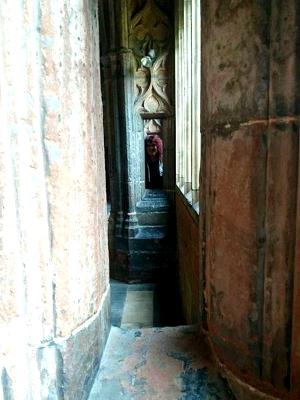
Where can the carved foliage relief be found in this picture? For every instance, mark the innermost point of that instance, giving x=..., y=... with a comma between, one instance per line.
x=150, y=38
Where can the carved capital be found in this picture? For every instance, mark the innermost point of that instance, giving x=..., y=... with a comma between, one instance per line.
x=150, y=38
x=151, y=93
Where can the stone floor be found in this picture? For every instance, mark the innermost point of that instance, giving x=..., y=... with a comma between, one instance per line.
x=157, y=364
x=143, y=305
x=142, y=362
x=132, y=305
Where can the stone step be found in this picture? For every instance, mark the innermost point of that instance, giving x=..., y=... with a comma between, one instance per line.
x=152, y=218
x=151, y=232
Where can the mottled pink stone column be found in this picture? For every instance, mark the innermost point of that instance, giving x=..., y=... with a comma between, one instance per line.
x=53, y=222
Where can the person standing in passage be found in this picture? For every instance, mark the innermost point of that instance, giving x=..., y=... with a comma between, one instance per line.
x=154, y=162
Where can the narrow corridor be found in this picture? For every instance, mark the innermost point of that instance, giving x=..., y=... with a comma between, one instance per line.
x=184, y=117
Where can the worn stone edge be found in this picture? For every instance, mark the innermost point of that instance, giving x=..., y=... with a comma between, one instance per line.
x=87, y=323
x=102, y=312
x=60, y=344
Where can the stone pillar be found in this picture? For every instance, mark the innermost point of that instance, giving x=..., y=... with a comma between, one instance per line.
x=250, y=123
x=130, y=160
x=54, y=314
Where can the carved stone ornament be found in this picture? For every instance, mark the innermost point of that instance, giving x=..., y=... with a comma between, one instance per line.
x=150, y=29
x=150, y=38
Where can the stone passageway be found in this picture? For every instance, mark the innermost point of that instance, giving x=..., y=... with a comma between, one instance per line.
x=149, y=363
x=185, y=116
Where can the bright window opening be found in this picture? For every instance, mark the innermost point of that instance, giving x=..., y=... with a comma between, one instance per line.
x=188, y=80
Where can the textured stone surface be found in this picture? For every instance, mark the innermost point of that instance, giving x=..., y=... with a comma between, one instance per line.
x=284, y=70
x=237, y=184
x=235, y=60
x=74, y=151
x=250, y=176
x=281, y=200
x=53, y=247
x=158, y=363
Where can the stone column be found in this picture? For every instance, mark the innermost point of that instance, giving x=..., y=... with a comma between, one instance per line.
x=130, y=156
x=54, y=314
x=250, y=120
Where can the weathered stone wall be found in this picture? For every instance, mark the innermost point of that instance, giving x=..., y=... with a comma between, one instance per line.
x=53, y=261
x=190, y=273
x=250, y=123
